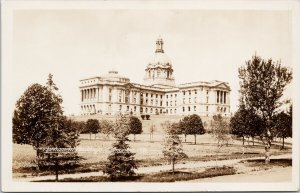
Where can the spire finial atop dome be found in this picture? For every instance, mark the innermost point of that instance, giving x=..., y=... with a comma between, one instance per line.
x=159, y=45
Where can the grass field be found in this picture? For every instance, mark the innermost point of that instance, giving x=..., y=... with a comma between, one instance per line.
x=148, y=153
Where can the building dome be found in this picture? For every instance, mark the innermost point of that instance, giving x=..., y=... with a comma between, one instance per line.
x=159, y=70
x=113, y=75
x=160, y=59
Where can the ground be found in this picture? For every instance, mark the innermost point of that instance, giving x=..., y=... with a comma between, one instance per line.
x=150, y=158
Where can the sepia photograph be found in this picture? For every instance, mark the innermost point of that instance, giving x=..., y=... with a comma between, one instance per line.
x=149, y=96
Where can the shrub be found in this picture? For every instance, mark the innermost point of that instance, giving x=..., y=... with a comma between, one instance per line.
x=143, y=117
x=148, y=117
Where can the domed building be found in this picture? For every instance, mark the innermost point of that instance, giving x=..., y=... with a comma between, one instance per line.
x=113, y=93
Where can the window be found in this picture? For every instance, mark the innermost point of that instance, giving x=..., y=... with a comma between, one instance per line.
x=206, y=108
x=156, y=95
x=189, y=100
x=195, y=99
x=189, y=108
x=127, y=108
x=109, y=99
x=206, y=99
x=167, y=96
x=182, y=109
x=120, y=107
x=151, y=110
x=195, y=91
x=170, y=103
x=171, y=95
x=171, y=111
x=183, y=92
x=189, y=92
x=151, y=101
x=183, y=101
x=146, y=101
x=175, y=103
x=207, y=92
x=146, y=110
x=151, y=95
x=134, y=108
x=161, y=103
x=146, y=94
x=110, y=90
x=195, y=108
x=175, y=111
x=167, y=103
x=161, y=96
x=175, y=95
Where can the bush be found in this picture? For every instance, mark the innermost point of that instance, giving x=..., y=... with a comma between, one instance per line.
x=148, y=117
x=143, y=117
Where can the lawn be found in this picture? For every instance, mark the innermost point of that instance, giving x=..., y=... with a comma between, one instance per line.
x=95, y=152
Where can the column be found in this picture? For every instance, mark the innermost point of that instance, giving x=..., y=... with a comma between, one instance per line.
x=224, y=97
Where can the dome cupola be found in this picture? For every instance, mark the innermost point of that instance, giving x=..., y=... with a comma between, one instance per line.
x=159, y=70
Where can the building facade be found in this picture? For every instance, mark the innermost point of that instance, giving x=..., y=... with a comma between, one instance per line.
x=113, y=93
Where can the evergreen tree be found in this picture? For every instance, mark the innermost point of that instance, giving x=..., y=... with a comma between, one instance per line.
x=121, y=162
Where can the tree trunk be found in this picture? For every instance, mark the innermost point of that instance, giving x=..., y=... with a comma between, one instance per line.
x=185, y=138
x=253, y=141
x=90, y=136
x=173, y=165
x=56, y=171
x=243, y=141
x=195, y=139
x=267, y=153
x=282, y=142
x=37, y=160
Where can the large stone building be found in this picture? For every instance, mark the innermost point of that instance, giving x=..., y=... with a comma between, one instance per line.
x=113, y=93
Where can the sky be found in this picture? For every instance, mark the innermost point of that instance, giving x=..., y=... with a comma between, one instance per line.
x=203, y=45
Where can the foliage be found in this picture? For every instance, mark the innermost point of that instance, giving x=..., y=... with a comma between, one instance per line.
x=38, y=121
x=283, y=126
x=192, y=125
x=92, y=126
x=34, y=115
x=121, y=160
x=172, y=149
x=106, y=127
x=135, y=126
x=245, y=123
x=148, y=117
x=262, y=85
x=143, y=116
x=220, y=130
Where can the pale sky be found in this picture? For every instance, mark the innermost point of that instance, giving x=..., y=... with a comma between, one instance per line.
x=203, y=45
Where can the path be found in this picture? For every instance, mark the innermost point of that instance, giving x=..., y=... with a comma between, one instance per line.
x=154, y=169
x=272, y=175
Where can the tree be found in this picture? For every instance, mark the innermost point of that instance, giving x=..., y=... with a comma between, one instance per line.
x=34, y=115
x=172, y=149
x=220, y=130
x=245, y=123
x=59, y=151
x=38, y=121
x=93, y=126
x=262, y=85
x=192, y=125
x=283, y=126
x=135, y=126
x=151, y=131
x=121, y=160
x=106, y=127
